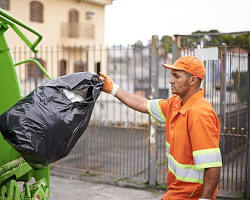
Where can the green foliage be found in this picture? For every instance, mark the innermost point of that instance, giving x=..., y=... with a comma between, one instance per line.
x=189, y=41
x=242, y=88
x=138, y=44
x=216, y=40
x=166, y=43
x=231, y=40
x=211, y=31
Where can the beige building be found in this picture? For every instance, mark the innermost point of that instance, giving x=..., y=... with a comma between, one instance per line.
x=73, y=31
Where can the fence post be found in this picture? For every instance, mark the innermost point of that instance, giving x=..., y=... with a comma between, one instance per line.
x=175, y=48
x=223, y=88
x=154, y=77
x=248, y=149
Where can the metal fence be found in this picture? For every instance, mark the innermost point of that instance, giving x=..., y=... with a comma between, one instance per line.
x=117, y=139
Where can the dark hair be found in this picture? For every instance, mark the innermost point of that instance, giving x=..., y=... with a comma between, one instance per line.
x=188, y=75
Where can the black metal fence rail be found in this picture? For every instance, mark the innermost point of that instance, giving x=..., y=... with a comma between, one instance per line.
x=120, y=151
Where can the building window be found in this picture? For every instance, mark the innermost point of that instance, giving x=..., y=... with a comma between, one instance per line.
x=5, y=4
x=73, y=23
x=32, y=71
x=79, y=66
x=62, y=67
x=36, y=11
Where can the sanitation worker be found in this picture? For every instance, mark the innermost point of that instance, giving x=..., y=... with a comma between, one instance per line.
x=192, y=130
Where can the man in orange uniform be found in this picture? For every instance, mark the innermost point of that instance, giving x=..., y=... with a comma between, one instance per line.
x=192, y=130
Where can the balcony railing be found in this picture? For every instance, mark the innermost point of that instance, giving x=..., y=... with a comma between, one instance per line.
x=98, y=2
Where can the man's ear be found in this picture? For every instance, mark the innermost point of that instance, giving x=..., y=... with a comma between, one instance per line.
x=193, y=80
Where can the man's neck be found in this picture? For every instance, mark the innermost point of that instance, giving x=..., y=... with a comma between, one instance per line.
x=188, y=95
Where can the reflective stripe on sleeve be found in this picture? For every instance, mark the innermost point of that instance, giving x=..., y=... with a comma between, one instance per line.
x=207, y=158
x=155, y=111
x=167, y=148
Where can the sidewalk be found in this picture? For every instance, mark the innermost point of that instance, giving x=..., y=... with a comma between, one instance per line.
x=74, y=185
x=64, y=188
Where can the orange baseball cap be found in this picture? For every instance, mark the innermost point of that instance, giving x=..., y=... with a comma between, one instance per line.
x=190, y=64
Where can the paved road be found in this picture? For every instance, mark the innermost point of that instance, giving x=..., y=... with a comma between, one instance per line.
x=63, y=189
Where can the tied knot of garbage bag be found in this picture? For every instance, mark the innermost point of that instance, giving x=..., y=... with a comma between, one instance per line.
x=45, y=125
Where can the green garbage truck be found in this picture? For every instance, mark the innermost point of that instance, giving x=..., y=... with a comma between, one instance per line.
x=18, y=180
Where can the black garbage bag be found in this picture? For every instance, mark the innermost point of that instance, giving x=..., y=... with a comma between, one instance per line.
x=45, y=125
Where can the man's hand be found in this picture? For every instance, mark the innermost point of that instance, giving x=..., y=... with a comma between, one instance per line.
x=108, y=83
x=133, y=101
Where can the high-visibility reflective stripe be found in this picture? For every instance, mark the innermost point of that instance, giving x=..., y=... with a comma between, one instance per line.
x=150, y=112
x=185, y=179
x=187, y=173
x=184, y=166
x=208, y=165
x=160, y=112
x=206, y=151
x=167, y=147
x=155, y=111
x=207, y=158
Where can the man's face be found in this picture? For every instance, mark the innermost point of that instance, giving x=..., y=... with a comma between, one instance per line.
x=179, y=82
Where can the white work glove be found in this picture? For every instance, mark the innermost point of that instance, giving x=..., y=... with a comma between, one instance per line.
x=109, y=86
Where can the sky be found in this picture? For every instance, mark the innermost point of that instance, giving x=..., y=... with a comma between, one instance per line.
x=127, y=21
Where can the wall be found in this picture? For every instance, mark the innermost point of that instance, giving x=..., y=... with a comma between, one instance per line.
x=55, y=13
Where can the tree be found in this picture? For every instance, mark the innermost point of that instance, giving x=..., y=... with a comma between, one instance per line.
x=231, y=40
x=166, y=43
x=138, y=44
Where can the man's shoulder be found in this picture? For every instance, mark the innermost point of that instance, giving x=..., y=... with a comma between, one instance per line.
x=166, y=104
x=201, y=108
x=202, y=102
x=174, y=98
